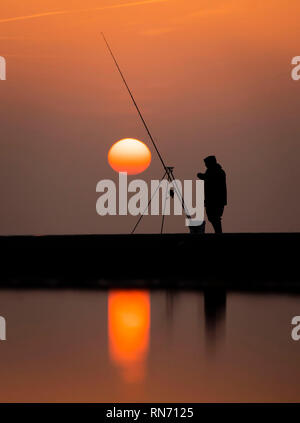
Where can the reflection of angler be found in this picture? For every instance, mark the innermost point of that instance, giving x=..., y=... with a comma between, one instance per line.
x=168, y=170
x=215, y=314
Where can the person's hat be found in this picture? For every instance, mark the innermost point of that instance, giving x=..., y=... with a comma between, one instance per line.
x=210, y=159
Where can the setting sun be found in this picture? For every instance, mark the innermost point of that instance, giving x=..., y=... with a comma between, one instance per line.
x=129, y=155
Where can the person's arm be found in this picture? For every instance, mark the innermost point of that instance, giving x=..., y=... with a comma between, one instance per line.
x=201, y=176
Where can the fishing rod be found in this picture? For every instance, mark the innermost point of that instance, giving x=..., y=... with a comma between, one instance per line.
x=168, y=169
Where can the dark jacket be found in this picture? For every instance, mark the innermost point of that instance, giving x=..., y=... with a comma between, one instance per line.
x=215, y=190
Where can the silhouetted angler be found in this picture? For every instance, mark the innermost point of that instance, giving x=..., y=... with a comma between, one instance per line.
x=215, y=192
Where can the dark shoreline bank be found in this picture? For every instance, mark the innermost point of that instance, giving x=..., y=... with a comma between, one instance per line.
x=231, y=261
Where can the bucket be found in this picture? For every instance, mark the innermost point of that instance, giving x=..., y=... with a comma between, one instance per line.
x=197, y=228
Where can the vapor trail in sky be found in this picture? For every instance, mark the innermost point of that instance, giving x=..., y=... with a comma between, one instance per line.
x=65, y=12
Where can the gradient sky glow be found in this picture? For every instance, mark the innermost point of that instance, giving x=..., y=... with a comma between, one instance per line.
x=212, y=77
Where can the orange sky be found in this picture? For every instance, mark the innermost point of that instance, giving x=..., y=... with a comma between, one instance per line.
x=212, y=77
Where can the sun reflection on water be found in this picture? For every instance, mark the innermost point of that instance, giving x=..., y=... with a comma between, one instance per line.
x=128, y=331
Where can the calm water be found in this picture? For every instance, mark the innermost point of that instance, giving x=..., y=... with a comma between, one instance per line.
x=148, y=346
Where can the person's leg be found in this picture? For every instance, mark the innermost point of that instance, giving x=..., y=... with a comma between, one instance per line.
x=217, y=225
x=214, y=215
x=218, y=220
x=210, y=216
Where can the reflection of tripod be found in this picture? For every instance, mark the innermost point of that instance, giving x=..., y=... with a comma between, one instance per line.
x=170, y=178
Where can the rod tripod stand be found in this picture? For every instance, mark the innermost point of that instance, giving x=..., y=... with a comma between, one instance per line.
x=170, y=178
x=168, y=169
